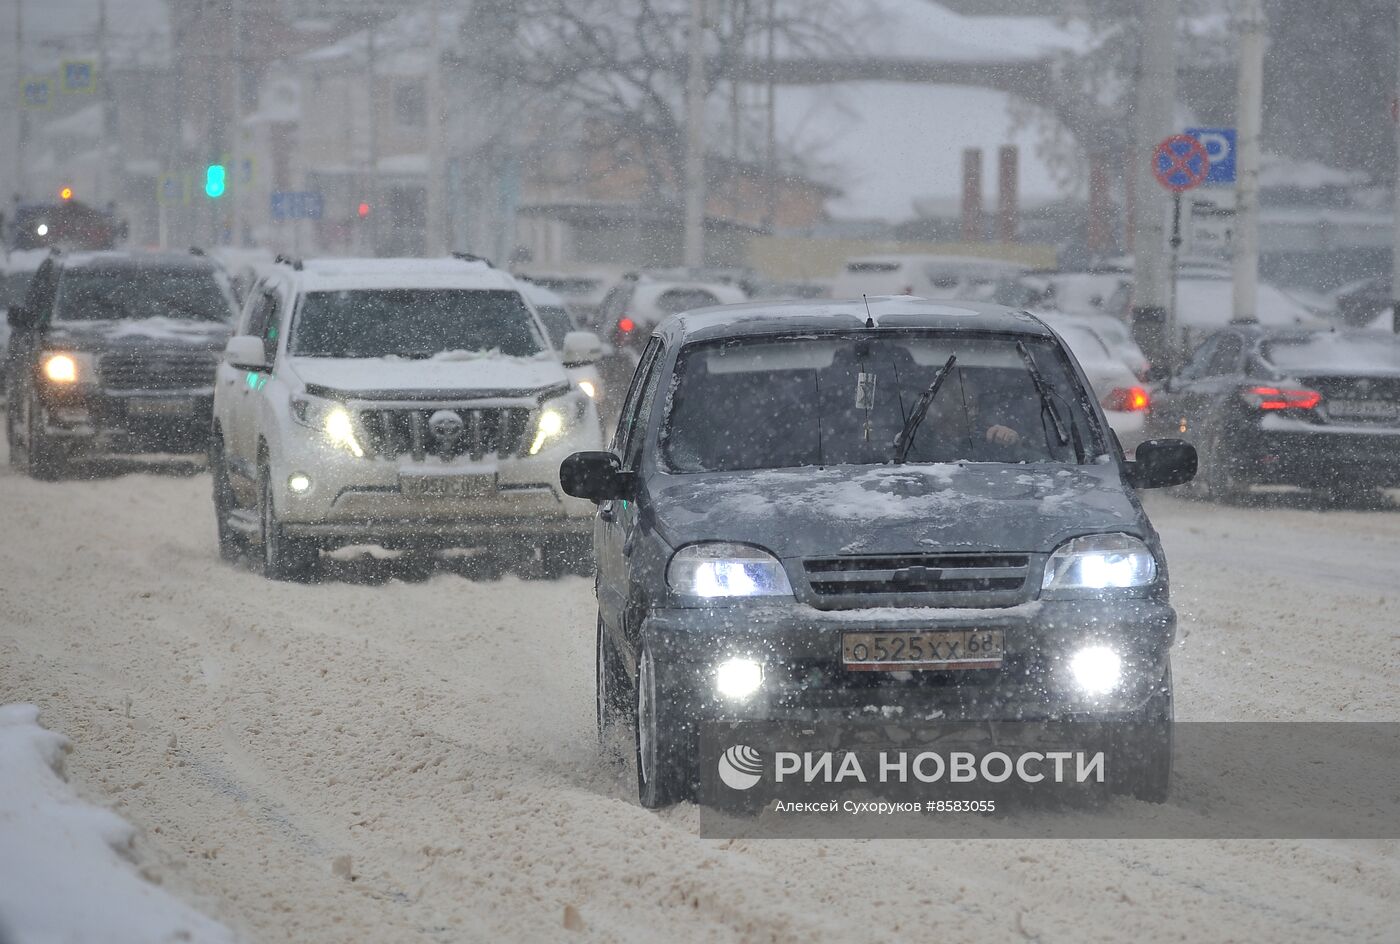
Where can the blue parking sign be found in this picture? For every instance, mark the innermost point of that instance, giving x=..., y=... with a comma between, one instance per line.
x=79, y=76
x=1220, y=148
x=35, y=93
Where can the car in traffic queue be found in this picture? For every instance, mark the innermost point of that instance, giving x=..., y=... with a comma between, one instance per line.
x=405, y=403
x=812, y=508
x=1315, y=409
x=559, y=323
x=114, y=352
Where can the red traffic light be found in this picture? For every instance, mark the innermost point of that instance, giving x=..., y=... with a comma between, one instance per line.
x=362, y=210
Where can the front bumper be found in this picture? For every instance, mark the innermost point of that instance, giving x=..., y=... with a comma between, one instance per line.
x=88, y=420
x=365, y=501
x=804, y=680
x=1286, y=451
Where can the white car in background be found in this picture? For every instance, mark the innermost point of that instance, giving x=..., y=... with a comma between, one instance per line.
x=407, y=403
x=1205, y=303
x=928, y=276
x=637, y=304
x=559, y=323
x=583, y=292
x=1124, y=399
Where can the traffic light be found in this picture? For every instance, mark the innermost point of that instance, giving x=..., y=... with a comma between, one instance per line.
x=363, y=211
x=215, y=181
x=65, y=194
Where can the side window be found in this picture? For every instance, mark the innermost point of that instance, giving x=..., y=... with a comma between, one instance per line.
x=633, y=456
x=1200, y=359
x=627, y=420
x=265, y=322
x=1226, y=359
x=614, y=305
x=252, y=302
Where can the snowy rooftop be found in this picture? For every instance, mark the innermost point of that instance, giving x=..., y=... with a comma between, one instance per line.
x=349, y=274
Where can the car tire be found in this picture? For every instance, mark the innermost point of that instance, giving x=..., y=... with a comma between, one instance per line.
x=41, y=459
x=283, y=557
x=665, y=738
x=1145, y=741
x=610, y=686
x=232, y=544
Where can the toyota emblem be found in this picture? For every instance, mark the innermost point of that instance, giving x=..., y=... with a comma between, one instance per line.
x=446, y=426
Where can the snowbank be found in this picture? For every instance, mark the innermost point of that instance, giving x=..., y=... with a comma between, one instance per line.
x=65, y=869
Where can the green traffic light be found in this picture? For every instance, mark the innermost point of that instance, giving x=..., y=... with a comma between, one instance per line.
x=215, y=181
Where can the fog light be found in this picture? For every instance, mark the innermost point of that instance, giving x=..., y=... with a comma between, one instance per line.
x=299, y=483
x=589, y=390
x=1097, y=670
x=61, y=368
x=738, y=678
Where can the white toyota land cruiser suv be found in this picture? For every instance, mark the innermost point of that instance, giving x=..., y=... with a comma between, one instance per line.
x=397, y=402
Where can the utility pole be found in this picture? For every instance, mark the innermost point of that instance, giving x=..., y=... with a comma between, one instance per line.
x=433, y=194
x=373, y=129
x=108, y=124
x=695, y=141
x=1156, y=101
x=235, y=173
x=1395, y=259
x=21, y=119
x=1249, y=119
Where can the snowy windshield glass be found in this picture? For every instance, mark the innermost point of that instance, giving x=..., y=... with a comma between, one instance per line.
x=89, y=293
x=779, y=403
x=416, y=323
x=1335, y=352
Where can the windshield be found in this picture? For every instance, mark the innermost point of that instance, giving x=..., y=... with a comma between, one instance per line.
x=779, y=403
x=557, y=323
x=134, y=292
x=1342, y=353
x=419, y=323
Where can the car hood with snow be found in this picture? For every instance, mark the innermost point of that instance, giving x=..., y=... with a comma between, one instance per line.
x=139, y=333
x=448, y=374
x=805, y=512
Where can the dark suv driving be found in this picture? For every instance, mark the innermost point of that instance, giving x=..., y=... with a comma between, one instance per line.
x=812, y=509
x=114, y=352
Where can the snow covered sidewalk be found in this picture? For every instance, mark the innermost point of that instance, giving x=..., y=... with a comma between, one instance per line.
x=65, y=871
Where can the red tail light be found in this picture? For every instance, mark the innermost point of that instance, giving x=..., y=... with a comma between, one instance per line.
x=627, y=326
x=1274, y=398
x=1127, y=400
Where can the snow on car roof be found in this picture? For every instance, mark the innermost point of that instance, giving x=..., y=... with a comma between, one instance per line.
x=23, y=260
x=888, y=311
x=122, y=258
x=348, y=274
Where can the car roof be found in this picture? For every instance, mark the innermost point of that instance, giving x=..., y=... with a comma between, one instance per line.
x=349, y=274
x=135, y=258
x=818, y=315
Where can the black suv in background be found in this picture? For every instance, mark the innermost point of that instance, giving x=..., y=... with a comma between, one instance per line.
x=813, y=511
x=114, y=352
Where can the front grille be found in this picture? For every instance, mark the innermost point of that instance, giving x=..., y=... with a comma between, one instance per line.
x=928, y=576
x=498, y=431
x=144, y=370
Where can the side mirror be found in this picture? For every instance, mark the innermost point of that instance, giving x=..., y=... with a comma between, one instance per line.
x=581, y=347
x=245, y=351
x=20, y=317
x=1160, y=463
x=596, y=476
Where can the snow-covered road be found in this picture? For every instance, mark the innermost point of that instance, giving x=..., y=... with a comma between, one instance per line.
x=404, y=756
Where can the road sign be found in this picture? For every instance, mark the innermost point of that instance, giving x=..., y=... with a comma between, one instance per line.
x=1220, y=148
x=297, y=205
x=79, y=75
x=1180, y=163
x=36, y=93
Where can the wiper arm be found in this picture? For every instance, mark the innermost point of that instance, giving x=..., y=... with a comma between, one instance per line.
x=1043, y=388
x=905, y=440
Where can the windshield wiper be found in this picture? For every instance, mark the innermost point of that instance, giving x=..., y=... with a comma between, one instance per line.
x=905, y=439
x=1043, y=388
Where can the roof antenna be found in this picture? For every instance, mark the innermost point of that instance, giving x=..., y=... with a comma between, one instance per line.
x=869, y=318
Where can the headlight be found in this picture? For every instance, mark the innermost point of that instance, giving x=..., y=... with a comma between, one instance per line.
x=726, y=570
x=340, y=430
x=1100, y=562
x=589, y=388
x=332, y=419
x=68, y=368
x=1097, y=670
x=556, y=416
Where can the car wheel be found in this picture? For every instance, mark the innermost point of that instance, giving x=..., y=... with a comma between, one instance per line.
x=231, y=543
x=665, y=759
x=1145, y=743
x=284, y=558
x=610, y=688
x=42, y=459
